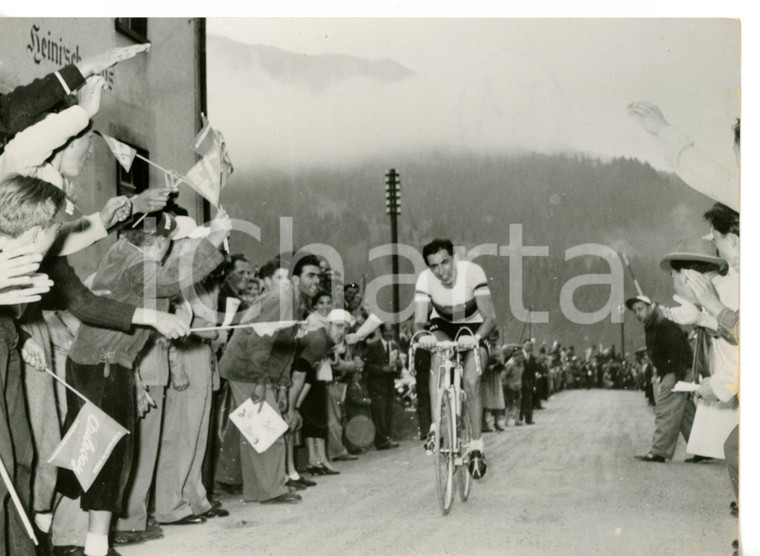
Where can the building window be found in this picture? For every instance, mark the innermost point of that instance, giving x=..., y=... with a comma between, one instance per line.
x=137, y=179
x=135, y=28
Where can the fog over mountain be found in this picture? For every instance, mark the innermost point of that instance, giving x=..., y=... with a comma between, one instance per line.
x=312, y=137
x=561, y=201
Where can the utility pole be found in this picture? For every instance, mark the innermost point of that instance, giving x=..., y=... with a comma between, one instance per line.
x=530, y=324
x=622, y=337
x=393, y=208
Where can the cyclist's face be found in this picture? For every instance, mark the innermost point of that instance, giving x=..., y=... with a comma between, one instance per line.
x=441, y=264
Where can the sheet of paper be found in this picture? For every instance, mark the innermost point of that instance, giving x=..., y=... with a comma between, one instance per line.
x=260, y=424
x=682, y=386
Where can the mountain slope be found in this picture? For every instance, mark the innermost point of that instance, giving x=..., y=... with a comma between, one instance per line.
x=561, y=201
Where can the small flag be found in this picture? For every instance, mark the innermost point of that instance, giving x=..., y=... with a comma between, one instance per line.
x=123, y=152
x=88, y=444
x=226, y=162
x=232, y=304
x=270, y=328
x=207, y=139
x=205, y=176
x=210, y=142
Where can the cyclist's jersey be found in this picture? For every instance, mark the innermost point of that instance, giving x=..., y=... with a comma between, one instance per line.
x=455, y=304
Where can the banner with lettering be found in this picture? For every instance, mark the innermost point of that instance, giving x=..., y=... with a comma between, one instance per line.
x=88, y=444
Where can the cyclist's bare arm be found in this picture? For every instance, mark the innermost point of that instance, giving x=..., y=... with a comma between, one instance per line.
x=488, y=312
x=421, y=312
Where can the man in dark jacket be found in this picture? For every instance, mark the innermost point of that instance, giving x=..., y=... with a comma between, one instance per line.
x=382, y=364
x=671, y=355
x=528, y=382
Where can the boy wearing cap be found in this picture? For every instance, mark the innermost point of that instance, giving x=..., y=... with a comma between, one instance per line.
x=100, y=363
x=671, y=355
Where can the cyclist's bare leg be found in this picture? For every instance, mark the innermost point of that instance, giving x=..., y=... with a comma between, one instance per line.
x=471, y=382
x=435, y=373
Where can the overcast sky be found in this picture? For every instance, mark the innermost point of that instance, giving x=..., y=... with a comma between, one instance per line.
x=492, y=83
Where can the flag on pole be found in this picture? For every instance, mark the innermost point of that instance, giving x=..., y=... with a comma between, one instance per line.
x=210, y=141
x=270, y=328
x=123, y=152
x=205, y=178
x=232, y=304
x=88, y=444
x=207, y=139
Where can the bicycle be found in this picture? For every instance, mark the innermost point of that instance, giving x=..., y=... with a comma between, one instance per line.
x=453, y=429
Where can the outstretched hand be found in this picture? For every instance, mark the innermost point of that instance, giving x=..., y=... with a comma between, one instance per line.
x=88, y=97
x=116, y=209
x=685, y=313
x=101, y=62
x=150, y=200
x=648, y=115
x=704, y=291
x=33, y=355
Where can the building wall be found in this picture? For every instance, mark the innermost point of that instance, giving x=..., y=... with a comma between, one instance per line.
x=154, y=100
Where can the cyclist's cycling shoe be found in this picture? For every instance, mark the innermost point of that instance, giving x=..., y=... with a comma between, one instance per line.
x=429, y=445
x=477, y=465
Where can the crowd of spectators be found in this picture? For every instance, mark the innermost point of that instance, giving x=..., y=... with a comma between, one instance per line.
x=164, y=340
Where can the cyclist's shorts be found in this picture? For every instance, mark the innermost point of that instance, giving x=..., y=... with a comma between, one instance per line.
x=451, y=329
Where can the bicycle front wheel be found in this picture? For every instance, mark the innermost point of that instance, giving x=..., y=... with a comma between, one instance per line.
x=444, y=453
x=463, y=438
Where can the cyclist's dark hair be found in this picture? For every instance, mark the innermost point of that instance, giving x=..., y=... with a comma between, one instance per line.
x=699, y=266
x=723, y=219
x=435, y=246
x=306, y=260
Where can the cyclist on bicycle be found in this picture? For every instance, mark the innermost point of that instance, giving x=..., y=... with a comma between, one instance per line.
x=459, y=296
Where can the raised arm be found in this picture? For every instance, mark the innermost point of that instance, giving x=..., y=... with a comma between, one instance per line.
x=695, y=167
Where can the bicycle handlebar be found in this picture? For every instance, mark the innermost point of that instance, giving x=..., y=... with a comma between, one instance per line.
x=440, y=346
x=443, y=345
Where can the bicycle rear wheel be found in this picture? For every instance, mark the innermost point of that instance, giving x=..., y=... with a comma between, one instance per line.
x=444, y=454
x=464, y=437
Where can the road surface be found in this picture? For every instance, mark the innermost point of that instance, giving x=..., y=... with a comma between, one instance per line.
x=568, y=485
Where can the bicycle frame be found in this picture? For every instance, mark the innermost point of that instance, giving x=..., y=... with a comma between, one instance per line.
x=451, y=404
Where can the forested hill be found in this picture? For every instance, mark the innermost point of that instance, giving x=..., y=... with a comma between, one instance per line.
x=560, y=200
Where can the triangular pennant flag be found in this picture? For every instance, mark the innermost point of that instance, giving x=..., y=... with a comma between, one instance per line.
x=123, y=152
x=210, y=142
x=226, y=162
x=207, y=140
x=232, y=304
x=270, y=328
x=88, y=444
x=205, y=176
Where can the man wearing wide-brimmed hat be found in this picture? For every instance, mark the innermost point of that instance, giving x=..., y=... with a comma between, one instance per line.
x=668, y=347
